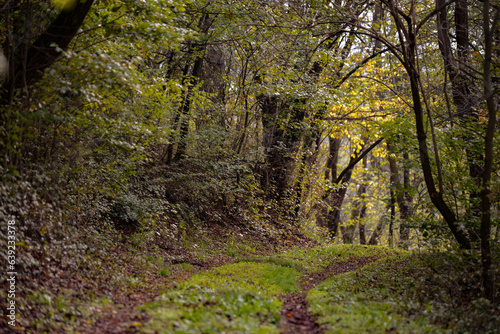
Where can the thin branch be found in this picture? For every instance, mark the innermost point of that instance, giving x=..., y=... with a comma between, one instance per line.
x=431, y=14
x=358, y=66
x=356, y=160
x=408, y=104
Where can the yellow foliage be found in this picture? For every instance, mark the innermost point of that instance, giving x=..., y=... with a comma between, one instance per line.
x=66, y=5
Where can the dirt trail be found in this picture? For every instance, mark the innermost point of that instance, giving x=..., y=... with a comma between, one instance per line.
x=123, y=316
x=294, y=316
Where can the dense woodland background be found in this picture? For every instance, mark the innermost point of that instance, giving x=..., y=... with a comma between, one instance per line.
x=370, y=122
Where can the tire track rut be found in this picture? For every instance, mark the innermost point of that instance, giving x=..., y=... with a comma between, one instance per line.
x=294, y=316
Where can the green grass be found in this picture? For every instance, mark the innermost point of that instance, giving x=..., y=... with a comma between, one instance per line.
x=164, y=272
x=405, y=293
x=400, y=293
x=367, y=300
x=269, y=279
x=243, y=297
x=316, y=259
x=240, y=297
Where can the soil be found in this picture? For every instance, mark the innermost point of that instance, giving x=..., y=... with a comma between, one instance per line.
x=294, y=316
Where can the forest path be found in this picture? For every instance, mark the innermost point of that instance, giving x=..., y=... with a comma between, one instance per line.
x=294, y=316
x=227, y=295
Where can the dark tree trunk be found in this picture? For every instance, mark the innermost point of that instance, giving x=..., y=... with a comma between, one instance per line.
x=401, y=197
x=362, y=231
x=28, y=65
x=436, y=197
x=377, y=233
x=462, y=88
x=322, y=217
x=337, y=194
x=186, y=107
x=281, y=140
x=408, y=42
x=198, y=50
x=405, y=211
x=273, y=178
x=392, y=218
x=358, y=211
x=311, y=144
x=175, y=125
x=396, y=193
x=485, y=228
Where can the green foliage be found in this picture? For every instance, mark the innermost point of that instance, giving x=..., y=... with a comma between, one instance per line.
x=129, y=210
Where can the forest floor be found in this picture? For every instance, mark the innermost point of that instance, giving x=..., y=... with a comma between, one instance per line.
x=238, y=280
x=294, y=316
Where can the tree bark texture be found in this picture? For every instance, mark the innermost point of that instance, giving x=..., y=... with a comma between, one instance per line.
x=198, y=50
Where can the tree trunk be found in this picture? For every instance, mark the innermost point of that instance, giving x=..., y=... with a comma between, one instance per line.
x=29, y=65
x=311, y=144
x=377, y=233
x=392, y=218
x=436, y=197
x=281, y=140
x=338, y=193
x=358, y=212
x=172, y=139
x=186, y=107
x=405, y=211
x=362, y=231
x=409, y=53
x=462, y=87
x=322, y=217
x=401, y=197
x=273, y=178
x=199, y=53
x=396, y=193
x=485, y=228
